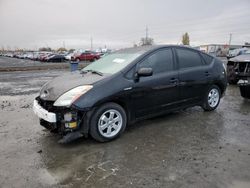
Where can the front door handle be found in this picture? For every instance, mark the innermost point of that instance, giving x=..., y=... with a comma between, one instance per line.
x=174, y=81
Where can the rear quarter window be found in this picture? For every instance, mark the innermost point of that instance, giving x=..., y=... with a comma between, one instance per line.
x=207, y=58
x=188, y=58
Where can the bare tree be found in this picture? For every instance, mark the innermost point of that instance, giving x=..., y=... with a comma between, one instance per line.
x=62, y=49
x=45, y=49
x=146, y=41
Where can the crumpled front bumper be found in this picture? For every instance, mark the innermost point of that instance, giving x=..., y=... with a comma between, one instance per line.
x=68, y=122
x=43, y=113
x=56, y=119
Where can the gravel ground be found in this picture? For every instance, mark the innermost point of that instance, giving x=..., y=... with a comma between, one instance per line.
x=185, y=149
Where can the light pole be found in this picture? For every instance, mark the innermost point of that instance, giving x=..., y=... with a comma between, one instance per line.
x=230, y=39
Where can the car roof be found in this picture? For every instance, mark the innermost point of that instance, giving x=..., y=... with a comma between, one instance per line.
x=144, y=49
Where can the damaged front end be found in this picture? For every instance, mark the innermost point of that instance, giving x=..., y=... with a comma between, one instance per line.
x=238, y=70
x=66, y=121
x=235, y=70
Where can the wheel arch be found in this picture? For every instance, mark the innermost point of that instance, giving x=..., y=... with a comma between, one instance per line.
x=120, y=102
x=221, y=87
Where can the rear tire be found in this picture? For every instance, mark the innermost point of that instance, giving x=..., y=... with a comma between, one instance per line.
x=108, y=122
x=212, y=98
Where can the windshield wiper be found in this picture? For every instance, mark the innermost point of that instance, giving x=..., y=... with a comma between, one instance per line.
x=92, y=71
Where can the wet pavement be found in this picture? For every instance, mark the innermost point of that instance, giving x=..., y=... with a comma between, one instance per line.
x=25, y=82
x=185, y=149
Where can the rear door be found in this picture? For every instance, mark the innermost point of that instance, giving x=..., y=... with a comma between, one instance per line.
x=156, y=93
x=193, y=75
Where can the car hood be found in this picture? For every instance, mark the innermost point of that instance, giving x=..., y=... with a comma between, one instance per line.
x=59, y=85
x=241, y=58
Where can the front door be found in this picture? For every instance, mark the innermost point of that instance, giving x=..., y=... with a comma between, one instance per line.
x=156, y=93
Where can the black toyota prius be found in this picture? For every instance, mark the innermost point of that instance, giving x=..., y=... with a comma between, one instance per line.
x=129, y=85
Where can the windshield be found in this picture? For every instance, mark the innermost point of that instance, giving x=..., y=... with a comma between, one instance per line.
x=112, y=63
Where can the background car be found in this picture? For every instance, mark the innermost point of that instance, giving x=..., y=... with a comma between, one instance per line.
x=55, y=58
x=69, y=56
x=30, y=55
x=43, y=55
x=86, y=56
x=238, y=67
x=238, y=71
x=236, y=52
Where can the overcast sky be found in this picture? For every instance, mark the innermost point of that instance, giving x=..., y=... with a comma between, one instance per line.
x=121, y=23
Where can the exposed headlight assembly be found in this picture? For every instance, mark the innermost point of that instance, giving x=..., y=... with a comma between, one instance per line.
x=70, y=96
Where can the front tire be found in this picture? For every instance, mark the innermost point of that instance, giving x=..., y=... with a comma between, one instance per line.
x=212, y=98
x=108, y=122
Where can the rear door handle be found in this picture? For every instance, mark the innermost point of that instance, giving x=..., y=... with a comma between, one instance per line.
x=207, y=73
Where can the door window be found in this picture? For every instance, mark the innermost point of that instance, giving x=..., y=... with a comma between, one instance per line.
x=207, y=58
x=188, y=58
x=160, y=61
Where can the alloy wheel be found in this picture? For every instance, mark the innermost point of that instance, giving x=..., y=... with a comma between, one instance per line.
x=213, y=97
x=110, y=123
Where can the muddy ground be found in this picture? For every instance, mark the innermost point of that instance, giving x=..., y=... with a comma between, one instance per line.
x=186, y=149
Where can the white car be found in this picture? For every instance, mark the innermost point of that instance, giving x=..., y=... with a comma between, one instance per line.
x=69, y=56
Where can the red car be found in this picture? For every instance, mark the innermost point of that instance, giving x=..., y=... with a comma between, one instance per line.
x=86, y=56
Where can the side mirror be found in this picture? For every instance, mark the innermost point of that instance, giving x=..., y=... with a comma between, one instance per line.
x=144, y=72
